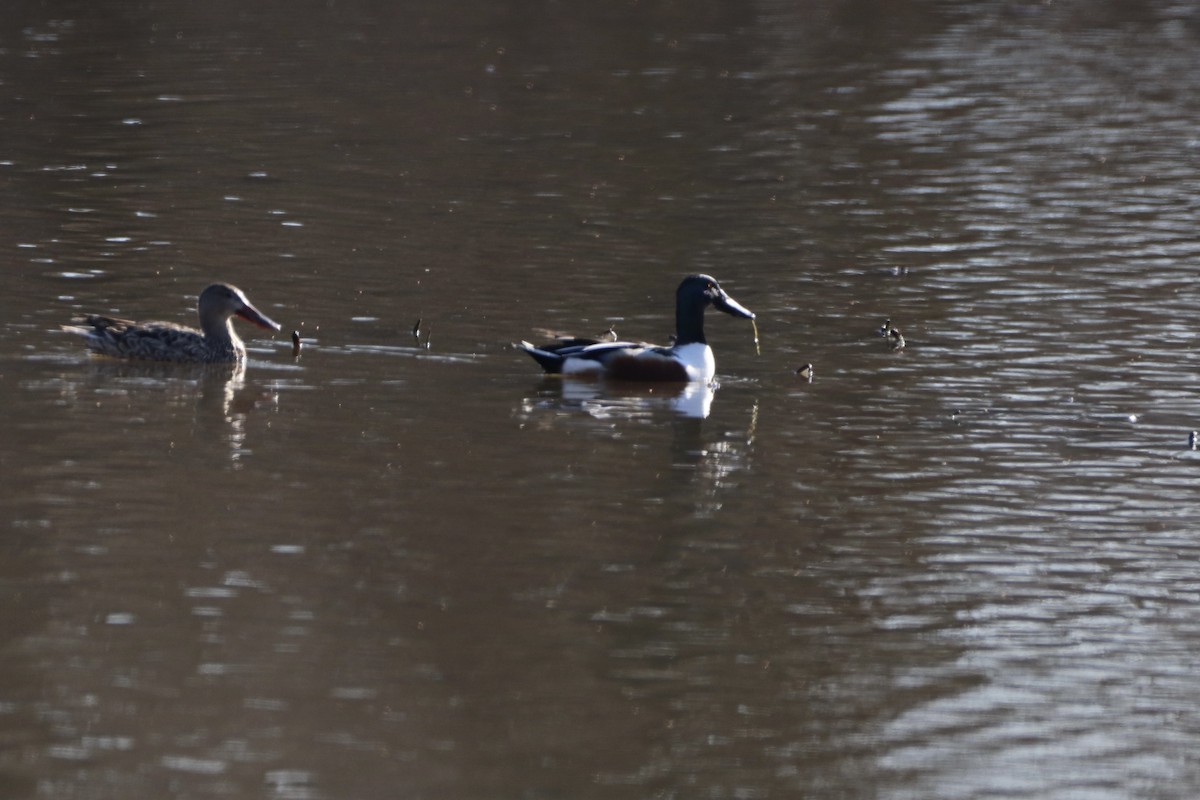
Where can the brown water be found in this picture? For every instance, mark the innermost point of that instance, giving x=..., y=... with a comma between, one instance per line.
x=965, y=569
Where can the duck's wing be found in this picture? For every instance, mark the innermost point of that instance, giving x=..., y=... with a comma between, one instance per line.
x=123, y=338
x=102, y=334
x=575, y=355
x=94, y=323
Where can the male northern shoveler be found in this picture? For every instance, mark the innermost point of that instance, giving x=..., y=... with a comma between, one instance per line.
x=688, y=359
x=216, y=342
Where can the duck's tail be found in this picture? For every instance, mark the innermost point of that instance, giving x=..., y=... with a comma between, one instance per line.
x=550, y=361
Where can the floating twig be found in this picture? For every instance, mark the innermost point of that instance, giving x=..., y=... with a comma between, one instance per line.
x=416, y=333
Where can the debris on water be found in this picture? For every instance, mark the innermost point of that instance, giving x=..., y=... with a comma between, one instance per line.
x=805, y=372
x=416, y=333
x=890, y=332
x=295, y=344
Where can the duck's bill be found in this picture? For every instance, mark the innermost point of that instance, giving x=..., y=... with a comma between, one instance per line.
x=252, y=314
x=732, y=307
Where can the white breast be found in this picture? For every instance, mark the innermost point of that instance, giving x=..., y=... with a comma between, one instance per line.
x=699, y=361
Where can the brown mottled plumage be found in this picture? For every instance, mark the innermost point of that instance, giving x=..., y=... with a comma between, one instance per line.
x=216, y=342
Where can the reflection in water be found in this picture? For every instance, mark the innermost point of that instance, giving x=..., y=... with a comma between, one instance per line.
x=713, y=458
x=219, y=393
x=624, y=399
x=703, y=457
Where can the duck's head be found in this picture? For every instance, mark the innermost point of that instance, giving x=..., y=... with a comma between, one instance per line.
x=221, y=301
x=704, y=290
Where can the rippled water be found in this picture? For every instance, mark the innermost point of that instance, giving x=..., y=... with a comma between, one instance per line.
x=411, y=566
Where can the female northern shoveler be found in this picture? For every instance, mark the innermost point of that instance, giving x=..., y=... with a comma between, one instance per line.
x=216, y=342
x=688, y=359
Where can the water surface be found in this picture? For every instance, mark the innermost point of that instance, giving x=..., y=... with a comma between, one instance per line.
x=413, y=567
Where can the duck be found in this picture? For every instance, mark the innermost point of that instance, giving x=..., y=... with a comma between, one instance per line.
x=215, y=343
x=688, y=359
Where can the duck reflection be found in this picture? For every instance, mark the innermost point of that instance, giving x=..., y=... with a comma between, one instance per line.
x=698, y=460
x=604, y=399
x=707, y=462
x=219, y=393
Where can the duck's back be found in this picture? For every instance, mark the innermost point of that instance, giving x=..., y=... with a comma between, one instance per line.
x=151, y=341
